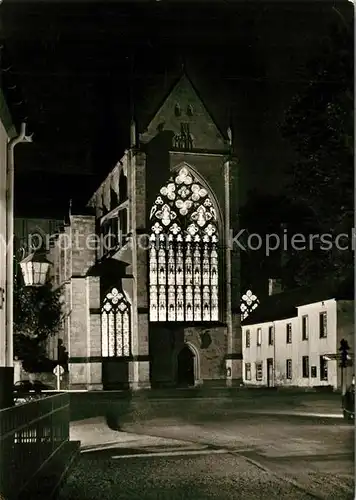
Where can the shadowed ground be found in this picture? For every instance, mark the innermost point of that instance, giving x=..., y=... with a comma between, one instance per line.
x=240, y=447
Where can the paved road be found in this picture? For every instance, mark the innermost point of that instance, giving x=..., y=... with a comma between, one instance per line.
x=249, y=456
x=197, y=403
x=318, y=453
x=201, y=476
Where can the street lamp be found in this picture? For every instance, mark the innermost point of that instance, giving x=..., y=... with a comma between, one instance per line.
x=35, y=268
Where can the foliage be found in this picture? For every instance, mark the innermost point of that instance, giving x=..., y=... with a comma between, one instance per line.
x=319, y=125
x=37, y=316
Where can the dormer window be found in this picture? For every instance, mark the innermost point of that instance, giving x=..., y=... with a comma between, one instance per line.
x=190, y=110
x=177, y=110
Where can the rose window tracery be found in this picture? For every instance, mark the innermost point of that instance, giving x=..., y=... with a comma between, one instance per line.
x=183, y=257
x=249, y=302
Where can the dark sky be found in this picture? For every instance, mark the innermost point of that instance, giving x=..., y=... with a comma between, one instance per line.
x=80, y=68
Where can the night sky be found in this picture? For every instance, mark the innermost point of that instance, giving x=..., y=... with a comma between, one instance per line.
x=77, y=71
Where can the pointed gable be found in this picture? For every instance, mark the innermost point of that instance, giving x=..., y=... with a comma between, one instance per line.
x=184, y=112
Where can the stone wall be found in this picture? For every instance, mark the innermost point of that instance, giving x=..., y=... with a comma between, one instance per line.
x=208, y=344
x=83, y=294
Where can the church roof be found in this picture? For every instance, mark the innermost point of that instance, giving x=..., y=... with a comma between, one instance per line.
x=284, y=305
x=183, y=103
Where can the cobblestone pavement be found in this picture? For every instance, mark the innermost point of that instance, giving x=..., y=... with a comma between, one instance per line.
x=191, y=477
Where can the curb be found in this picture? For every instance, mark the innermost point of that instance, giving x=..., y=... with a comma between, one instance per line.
x=296, y=414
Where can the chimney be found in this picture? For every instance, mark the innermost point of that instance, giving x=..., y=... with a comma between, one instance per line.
x=274, y=286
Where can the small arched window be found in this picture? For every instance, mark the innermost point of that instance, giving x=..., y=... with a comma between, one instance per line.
x=190, y=110
x=115, y=325
x=122, y=187
x=177, y=110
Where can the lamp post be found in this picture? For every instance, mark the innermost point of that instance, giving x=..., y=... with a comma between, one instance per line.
x=7, y=371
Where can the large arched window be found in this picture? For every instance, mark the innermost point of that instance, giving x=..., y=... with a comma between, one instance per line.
x=115, y=325
x=183, y=257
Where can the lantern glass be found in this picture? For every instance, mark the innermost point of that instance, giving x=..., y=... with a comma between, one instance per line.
x=34, y=270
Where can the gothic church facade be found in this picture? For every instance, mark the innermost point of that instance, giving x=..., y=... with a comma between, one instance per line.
x=151, y=278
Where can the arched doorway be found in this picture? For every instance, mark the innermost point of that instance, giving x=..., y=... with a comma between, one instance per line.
x=185, y=367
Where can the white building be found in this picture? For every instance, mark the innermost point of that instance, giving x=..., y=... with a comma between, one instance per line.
x=7, y=131
x=293, y=338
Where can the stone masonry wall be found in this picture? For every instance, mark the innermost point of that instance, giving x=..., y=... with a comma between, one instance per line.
x=210, y=343
x=82, y=258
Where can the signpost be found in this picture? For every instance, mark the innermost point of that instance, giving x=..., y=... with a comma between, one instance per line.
x=58, y=371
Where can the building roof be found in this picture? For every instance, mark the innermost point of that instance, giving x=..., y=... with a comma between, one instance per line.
x=184, y=92
x=284, y=305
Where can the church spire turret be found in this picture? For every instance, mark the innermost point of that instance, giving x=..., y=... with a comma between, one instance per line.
x=133, y=132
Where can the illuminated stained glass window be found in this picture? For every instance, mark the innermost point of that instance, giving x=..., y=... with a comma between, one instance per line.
x=115, y=325
x=183, y=258
x=249, y=302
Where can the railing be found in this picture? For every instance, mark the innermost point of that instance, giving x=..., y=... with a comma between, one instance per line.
x=30, y=435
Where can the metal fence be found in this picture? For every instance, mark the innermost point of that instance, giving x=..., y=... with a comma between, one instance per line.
x=30, y=435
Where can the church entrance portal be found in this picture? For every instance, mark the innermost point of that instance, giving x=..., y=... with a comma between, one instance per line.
x=185, y=375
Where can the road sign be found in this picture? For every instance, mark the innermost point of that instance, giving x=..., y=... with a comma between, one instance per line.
x=58, y=371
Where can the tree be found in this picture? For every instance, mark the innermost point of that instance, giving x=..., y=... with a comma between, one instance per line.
x=37, y=316
x=320, y=126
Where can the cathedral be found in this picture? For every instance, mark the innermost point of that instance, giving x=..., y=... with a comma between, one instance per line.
x=151, y=276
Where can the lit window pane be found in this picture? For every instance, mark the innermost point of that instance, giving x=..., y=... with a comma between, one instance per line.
x=162, y=309
x=112, y=333
x=214, y=303
x=171, y=266
x=126, y=333
x=162, y=266
x=154, y=303
x=180, y=265
x=214, y=267
x=171, y=303
x=197, y=265
x=188, y=265
x=180, y=304
x=206, y=303
x=206, y=266
x=197, y=303
x=189, y=303
x=104, y=335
